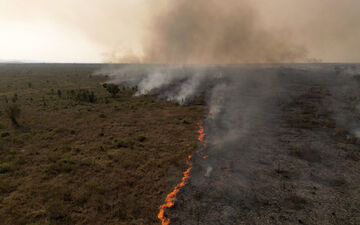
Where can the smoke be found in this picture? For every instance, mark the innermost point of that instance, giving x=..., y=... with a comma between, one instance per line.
x=215, y=32
x=197, y=31
x=345, y=104
x=329, y=38
x=252, y=166
x=269, y=135
x=173, y=83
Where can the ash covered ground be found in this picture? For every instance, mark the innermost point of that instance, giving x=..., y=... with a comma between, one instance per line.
x=283, y=141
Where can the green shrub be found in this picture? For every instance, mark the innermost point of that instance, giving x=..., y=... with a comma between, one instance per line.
x=15, y=98
x=5, y=134
x=64, y=165
x=123, y=142
x=5, y=167
x=46, y=135
x=13, y=112
x=141, y=137
x=82, y=95
x=113, y=89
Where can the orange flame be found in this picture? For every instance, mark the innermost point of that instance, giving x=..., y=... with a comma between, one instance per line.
x=170, y=198
x=201, y=132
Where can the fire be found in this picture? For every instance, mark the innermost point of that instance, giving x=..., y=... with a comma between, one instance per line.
x=170, y=198
x=201, y=132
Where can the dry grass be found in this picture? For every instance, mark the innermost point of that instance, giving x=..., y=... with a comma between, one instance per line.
x=71, y=161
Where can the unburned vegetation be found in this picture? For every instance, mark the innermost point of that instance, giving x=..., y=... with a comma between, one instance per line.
x=72, y=152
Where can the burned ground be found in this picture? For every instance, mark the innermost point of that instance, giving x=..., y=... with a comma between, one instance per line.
x=280, y=151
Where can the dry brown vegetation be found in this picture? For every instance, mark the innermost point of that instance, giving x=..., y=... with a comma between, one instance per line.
x=79, y=156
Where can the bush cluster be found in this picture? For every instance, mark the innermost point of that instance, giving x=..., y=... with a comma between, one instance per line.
x=82, y=95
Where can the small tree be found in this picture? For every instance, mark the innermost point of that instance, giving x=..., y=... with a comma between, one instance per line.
x=113, y=89
x=15, y=98
x=13, y=112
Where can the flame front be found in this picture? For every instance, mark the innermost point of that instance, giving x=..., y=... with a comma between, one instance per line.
x=170, y=198
x=201, y=132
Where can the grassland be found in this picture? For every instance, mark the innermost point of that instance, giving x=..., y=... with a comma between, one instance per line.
x=77, y=155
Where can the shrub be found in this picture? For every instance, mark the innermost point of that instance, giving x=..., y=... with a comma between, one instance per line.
x=5, y=167
x=186, y=122
x=113, y=89
x=82, y=95
x=58, y=210
x=15, y=98
x=5, y=134
x=123, y=142
x=6, y=186
x=13, y=112
x=46, y=135
x=141, y=137
x=64, y=165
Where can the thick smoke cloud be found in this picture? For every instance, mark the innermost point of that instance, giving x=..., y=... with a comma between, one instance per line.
x=213, y=32
x=173, y=83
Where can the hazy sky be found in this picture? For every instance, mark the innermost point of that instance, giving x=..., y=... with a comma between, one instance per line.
x=100, y=30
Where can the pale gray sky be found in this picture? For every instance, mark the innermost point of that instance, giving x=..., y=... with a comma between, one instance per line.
x=91, y=30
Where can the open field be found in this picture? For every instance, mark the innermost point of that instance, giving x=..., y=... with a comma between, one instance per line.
x=76, y=155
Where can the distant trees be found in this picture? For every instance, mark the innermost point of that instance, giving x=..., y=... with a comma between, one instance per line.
x=113, y=89
x=82, y=95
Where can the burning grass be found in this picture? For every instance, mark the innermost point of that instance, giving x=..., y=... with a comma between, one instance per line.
x=170, y=198
x=74, y=161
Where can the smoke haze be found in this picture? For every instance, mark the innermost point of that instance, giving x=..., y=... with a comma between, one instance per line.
x=209, y=31
x=280, y=140
x=186, y=31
